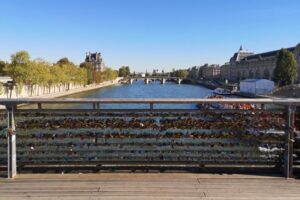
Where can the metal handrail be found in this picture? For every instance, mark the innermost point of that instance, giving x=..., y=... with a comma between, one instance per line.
x=286, y=101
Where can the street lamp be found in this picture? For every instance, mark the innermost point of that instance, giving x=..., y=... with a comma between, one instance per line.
x=9, y=86
x=226, y=82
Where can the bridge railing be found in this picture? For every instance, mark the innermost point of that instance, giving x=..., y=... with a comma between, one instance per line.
x=9, y=103
x=211, y=135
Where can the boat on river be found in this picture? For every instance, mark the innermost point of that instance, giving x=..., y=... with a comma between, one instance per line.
x=222, y=91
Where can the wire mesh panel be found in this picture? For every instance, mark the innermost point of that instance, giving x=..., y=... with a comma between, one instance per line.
x=3, y=138
x=202, y=137
x=297, y=140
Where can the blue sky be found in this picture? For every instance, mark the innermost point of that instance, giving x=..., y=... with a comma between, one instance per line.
x=147, y=34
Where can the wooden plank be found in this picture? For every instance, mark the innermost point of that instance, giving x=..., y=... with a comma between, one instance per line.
x=112, y=186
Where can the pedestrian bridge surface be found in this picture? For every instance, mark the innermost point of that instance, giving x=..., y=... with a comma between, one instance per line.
x=158, y=186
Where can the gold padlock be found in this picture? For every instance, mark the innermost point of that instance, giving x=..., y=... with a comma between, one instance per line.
x=10, y=131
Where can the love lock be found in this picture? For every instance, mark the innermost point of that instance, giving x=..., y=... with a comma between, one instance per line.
x=10, y=131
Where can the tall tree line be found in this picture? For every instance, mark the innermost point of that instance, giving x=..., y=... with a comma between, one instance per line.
x=38, y=72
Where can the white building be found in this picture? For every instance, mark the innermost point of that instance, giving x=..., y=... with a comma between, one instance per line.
x=96, y=60
x=143, y=75
x=256, y=86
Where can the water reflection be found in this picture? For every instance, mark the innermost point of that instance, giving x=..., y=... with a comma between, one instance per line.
x=140, y=90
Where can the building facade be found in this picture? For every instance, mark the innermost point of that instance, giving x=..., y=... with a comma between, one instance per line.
x=210, y=72
x=96, y=60
x=244, y=64
x=194, y=73
x=207, y=72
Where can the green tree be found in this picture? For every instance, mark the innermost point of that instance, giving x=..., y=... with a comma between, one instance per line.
x=98, y=78
x=285, y=72
x=3, y=66
x=40, y=74
x=124, y=71
x=42, y=69
x=64, y=61
x=73, y=74
x=181, y=73
x=127, y=70
x=56, y=75
x=81, y=76
x=110, y=74
x=173, y=72
x=89, y=71
x=19, y=69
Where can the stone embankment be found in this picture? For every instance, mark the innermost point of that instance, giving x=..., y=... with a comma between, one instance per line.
x=75, y=90
x=81, y=89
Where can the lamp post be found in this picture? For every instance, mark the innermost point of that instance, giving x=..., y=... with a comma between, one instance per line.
x=9, y=85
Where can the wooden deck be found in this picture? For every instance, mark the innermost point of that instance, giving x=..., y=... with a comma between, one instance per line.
x=138, y=186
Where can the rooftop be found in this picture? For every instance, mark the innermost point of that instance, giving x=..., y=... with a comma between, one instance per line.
x=266, y=54
x=255, y=80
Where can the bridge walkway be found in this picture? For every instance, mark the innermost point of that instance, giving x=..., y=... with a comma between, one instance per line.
x=139, y=186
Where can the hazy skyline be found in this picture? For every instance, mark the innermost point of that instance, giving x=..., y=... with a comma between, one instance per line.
x=147, y=34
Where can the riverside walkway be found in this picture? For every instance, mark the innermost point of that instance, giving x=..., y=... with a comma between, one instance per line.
x=141, y=186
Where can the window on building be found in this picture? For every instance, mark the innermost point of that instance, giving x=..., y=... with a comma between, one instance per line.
x=251, y=75
x=266, y=74
x=257, y=73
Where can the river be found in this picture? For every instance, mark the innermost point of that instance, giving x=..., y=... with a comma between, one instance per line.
x=140, y=90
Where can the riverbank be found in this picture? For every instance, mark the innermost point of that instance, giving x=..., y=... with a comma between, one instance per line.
x=290, y=91
x=214, y=85
x=206, y=84
x=77, y=90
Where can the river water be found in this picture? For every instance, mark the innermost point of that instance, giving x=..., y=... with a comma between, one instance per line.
x=140, y=90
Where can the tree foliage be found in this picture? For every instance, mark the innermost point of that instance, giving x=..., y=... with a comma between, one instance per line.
x=89, y=71
x=124, y=71
x=20, y=69
x=106, y=75
x=64, y=61
x=110, y=74
x=2, y=68
x=285, y=72
x=181, y=73
x=39, y=72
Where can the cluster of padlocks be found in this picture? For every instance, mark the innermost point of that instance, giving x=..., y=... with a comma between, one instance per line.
x=206, y=137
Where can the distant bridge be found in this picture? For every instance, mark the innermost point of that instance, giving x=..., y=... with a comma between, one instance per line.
x=150, y=79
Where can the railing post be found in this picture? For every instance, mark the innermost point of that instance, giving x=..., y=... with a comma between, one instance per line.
x=289, y=140
x=11, y=144
x=151, y=106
